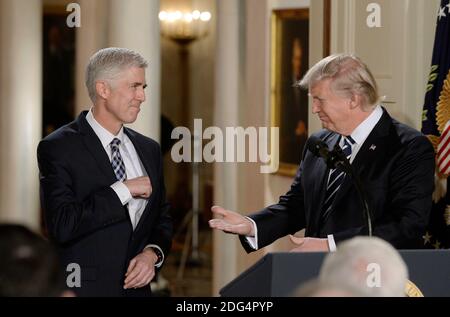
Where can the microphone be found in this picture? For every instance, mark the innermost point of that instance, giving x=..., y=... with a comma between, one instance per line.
x=318, y=147
x=334, y=159
x=337, y=159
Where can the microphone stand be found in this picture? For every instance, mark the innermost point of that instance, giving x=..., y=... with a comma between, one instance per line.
x=339, y=160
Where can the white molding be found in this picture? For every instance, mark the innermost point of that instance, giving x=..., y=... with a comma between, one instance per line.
x=288, y=4
x=349, y=26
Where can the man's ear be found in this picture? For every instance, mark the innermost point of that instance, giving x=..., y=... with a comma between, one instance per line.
x=102, y=88
x=355, y=101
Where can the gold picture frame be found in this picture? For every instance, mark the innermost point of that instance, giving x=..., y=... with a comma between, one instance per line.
x=289, y=104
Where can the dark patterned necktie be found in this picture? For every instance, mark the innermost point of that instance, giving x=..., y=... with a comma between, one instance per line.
x=335, y=179
x=117, y=161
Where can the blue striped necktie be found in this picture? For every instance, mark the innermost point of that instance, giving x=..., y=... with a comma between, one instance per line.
x=335, y=179
x=117, y=161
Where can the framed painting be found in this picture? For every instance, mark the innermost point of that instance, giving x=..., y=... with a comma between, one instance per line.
x=289, y=103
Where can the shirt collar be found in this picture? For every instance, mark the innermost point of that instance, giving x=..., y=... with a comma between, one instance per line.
x=104, y=135
x=361, y=133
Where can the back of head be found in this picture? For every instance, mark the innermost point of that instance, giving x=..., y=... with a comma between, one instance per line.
x=349, y=75
x=108, y=63
x=368, y=266
x=28, y=265
x=317, y=288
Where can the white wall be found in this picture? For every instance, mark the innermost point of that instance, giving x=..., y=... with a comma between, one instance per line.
x=398, y=53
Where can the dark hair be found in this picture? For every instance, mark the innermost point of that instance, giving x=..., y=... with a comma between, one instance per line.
x=29, y=265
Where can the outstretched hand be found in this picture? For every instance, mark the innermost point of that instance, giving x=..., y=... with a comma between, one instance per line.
x=231, y=222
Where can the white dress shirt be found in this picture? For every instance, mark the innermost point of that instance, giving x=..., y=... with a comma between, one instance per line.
x=133, y=167
x=360, y=135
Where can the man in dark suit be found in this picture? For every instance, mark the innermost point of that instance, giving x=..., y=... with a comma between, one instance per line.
x=394, y=162
x=102, y=186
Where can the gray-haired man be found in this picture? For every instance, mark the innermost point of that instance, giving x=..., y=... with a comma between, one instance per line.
x=394, y=162
x=102, y=186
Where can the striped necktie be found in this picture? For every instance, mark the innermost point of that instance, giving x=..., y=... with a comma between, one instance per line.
x=117, y=161
x=335, y=179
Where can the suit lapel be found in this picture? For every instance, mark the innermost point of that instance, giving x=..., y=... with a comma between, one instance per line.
x=374, y=144
x=144, y=156
x=95, y=147
x=321, y=172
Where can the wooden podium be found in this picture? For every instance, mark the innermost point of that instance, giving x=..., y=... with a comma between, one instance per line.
x=279, y=274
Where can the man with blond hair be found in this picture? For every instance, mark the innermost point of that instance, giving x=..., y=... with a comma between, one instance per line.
x=102, y=186
x=394, y=162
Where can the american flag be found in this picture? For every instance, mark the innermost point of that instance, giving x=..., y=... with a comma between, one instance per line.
x=436, y=125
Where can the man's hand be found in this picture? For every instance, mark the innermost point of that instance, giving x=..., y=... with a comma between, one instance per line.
x=140, y=187
x=231, y=222
x=309, y=244
x=141, y=269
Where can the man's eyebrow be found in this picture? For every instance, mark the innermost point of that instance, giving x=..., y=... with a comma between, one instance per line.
x=314, y=97
x=136, y=84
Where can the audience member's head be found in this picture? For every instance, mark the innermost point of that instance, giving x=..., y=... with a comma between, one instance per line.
x=29, y=265
x=365, y=266
x=317, y=288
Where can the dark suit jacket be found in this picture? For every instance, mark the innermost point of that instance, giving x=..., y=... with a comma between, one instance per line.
x=398, y=178
x=85, y=217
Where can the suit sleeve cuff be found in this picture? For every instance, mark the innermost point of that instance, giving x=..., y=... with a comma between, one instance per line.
x=253, y=241
x=122, y=192
x=331, y=243
x=158, y=252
